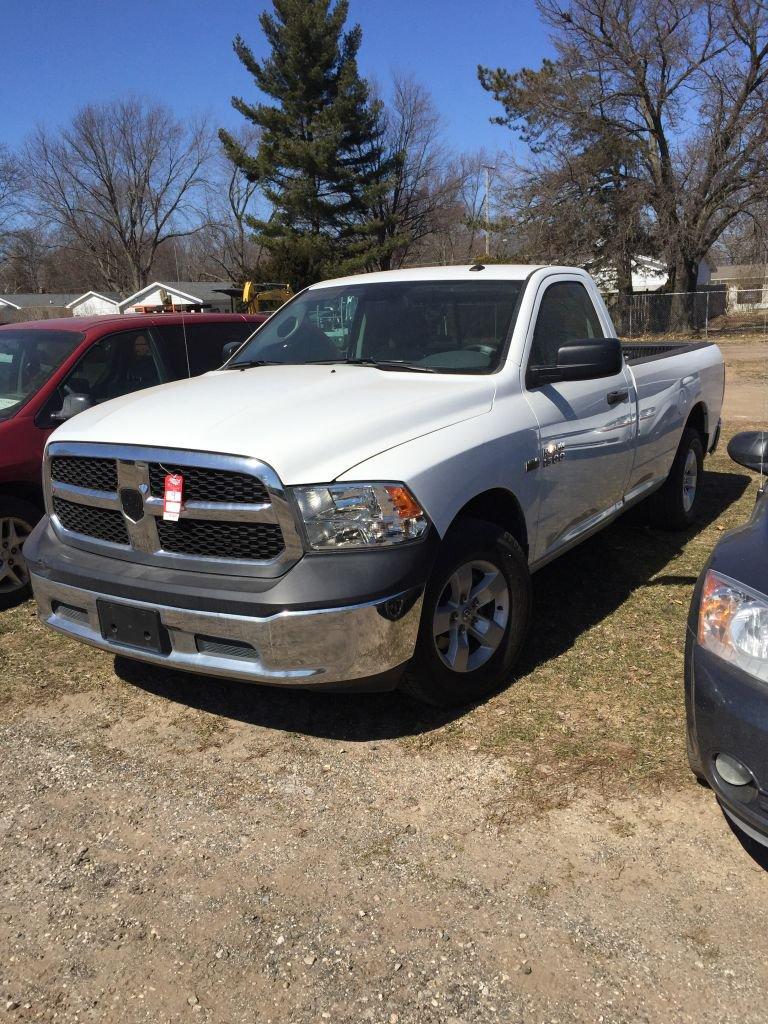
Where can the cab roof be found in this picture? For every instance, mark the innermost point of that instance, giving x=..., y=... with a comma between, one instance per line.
x=467, y=272
x=84, y=324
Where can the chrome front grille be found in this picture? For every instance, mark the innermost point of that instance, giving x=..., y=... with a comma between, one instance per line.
x=210, y=484
x=235, y=517
x=97, y=474
x=101, y=523
x=259, y=542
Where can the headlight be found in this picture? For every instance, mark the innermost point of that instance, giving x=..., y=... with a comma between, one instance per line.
x=733, y=624
x=359, y=515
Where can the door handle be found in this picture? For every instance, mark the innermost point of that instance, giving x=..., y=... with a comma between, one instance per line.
x=614, y=397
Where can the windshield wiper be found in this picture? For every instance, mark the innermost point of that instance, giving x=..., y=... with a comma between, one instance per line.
x=390, y=364
x=247, y=364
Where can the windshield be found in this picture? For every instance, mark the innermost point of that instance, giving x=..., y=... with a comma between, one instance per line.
x=27, y=359
x=434, y=326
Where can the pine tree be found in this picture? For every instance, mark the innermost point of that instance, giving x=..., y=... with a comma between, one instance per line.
x=321, y=161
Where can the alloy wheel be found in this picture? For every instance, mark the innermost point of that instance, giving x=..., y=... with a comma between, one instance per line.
x=471, y=616
x=14, y=573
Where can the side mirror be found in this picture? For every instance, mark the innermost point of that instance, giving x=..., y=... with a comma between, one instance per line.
x=581, y=360
x=229, y=350
x=750, y=449
x=72, y=405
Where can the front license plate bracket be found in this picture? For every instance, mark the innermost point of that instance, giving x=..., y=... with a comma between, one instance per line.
x=139, y=628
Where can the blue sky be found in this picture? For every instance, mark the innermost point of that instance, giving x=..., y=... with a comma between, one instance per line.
x=59, y=55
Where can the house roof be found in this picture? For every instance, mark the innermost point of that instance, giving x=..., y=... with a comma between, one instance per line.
x=110, y=297
x=739, y=272
x=26, y=300
x=173, y=289
x=208, y=291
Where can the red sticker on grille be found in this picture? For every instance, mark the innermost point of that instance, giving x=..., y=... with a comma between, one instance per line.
x=172, y=498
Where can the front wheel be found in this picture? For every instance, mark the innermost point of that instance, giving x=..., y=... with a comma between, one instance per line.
x=474, y=618
x=17, y=520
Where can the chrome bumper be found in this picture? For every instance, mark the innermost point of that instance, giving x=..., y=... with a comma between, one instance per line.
x=302, y=648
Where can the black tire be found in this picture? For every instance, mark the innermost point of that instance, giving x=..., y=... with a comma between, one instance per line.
x=669, y=507
x=17, y=520
x=430, y=677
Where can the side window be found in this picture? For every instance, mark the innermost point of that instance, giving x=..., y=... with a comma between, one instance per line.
x=174, y=351
x=205, y=343
x=566, y=313
x=114, y=366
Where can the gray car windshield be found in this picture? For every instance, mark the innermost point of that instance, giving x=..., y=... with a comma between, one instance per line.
x=429, y=326
x=28, y=357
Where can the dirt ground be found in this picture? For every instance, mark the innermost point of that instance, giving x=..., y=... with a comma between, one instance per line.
x=746, y=390
x=175, y=848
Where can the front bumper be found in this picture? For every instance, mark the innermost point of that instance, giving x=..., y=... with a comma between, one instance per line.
x=347, y=621
x=727, y=712
x=306, y=648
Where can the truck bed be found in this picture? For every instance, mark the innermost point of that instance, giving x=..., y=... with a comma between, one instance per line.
x=644, y=351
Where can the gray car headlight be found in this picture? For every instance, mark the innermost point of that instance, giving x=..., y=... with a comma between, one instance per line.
x=359, y=515
x=733, y=624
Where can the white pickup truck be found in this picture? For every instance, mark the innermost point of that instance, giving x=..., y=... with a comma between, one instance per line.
x=369, y=481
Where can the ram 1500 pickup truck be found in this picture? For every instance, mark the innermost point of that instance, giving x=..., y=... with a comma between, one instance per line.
x=360, y=495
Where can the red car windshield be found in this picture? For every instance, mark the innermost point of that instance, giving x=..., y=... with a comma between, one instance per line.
x=28, y=357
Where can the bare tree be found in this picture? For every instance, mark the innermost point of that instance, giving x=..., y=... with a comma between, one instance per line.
x=422, y=186
x=458, y=230
x=685, y=82
x=11, y=188
x=226, y=246
x=119, y=181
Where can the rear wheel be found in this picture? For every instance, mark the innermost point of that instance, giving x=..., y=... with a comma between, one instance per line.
x=674, y=505
x=17, y=520
x=474, y=618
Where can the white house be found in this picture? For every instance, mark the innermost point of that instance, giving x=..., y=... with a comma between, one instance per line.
x=746, y=285
x=648, y=275
x=158, y=298
x=94, y=304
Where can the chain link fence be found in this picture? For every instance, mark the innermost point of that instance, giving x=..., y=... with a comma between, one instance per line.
x=707, y=314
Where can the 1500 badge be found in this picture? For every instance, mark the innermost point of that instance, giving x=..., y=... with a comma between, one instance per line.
x=550, y=453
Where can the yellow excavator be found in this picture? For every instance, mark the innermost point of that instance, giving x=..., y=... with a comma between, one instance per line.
x=266, y=296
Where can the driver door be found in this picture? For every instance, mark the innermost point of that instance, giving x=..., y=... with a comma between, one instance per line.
x=586, y=427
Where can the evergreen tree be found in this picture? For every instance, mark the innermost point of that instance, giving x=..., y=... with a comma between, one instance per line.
x=320, y=160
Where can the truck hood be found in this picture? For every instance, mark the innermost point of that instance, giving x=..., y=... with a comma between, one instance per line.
x=310, y=423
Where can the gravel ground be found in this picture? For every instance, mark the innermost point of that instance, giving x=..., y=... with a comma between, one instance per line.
x=160, y=863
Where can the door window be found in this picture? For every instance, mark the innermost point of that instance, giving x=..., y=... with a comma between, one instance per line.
x=566, y=313
x=115, y=365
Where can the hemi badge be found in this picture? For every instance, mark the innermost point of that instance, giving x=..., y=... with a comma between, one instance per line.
x=531, y=464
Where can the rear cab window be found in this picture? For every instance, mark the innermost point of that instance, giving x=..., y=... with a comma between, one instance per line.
x=204, y=342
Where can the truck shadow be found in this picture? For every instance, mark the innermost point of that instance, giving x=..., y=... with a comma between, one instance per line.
x=571, y=595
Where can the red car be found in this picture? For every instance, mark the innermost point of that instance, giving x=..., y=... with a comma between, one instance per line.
x=51, y=369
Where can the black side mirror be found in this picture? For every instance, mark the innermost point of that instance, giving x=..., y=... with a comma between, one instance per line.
x=71, y=406
x=229, y=350
x=581, y=360
x=750, y=449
